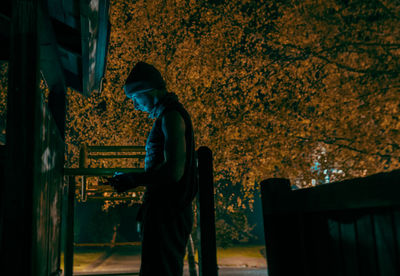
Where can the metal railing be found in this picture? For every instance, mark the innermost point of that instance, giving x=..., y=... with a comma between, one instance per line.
x=92, y=152
x=85, y=154
x=205, y=200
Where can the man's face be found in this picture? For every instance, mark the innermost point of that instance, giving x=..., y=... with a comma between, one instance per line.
x=143, y=101
x=142, y=94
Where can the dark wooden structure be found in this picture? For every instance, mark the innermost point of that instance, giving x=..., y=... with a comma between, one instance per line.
x=207, y=250
x=345, y=228
x=64, y=42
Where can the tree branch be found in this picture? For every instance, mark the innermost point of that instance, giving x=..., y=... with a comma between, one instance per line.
x=333, y=141
x=309, y=52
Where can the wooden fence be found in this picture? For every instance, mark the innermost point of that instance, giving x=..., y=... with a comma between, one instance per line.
x=345, y=228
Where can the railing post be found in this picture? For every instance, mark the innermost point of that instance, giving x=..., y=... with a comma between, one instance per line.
x=83, y=163
x=69, y=241
x=207, y=251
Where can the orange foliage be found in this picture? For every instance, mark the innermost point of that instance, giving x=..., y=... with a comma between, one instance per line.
x=272, y=87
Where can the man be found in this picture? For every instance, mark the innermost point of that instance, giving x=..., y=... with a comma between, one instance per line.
x=169, y=177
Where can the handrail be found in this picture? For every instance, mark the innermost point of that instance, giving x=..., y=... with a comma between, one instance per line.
x=116, y=148
x=98, y=171
x=141, y=156
x=84, y=157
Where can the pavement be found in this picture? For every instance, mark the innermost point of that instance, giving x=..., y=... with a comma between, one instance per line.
x=126, y=263
x=222, y=271
x=227, y=271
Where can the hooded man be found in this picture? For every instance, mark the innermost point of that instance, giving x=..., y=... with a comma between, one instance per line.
x=169, y=177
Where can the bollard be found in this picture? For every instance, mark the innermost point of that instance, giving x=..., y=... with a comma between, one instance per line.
x=208, y=250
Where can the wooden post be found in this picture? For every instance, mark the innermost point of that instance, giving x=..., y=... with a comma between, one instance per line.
x=208, y=250
x=282, y=240
x=83, y=163
x=69, y=241
x=19, y=232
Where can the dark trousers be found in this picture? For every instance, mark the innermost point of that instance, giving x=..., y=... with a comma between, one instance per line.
x=164, y=237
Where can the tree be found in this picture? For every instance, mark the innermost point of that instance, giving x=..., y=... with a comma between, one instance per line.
x=269, y=84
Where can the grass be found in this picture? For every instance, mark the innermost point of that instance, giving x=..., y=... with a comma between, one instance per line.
x=238, y=251
x=250, y=251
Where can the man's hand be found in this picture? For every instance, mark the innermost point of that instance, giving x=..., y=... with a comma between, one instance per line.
x=121, y=182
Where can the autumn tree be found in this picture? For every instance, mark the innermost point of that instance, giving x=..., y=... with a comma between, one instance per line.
x=273, y=88
x=295, y=89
